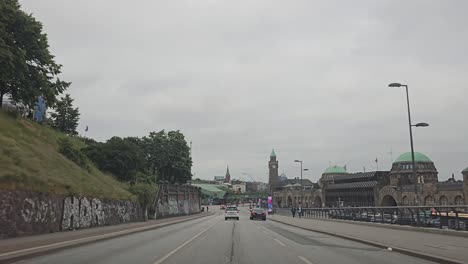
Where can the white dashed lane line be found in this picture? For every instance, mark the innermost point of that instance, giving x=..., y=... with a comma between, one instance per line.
x=304, y=259
x=279, y=242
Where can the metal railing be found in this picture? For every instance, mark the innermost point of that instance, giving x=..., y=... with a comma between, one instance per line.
x=443, y=217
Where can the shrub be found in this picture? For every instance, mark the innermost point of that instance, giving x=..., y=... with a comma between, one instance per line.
x=145, y=192
x=68, y=150
x=13, y=113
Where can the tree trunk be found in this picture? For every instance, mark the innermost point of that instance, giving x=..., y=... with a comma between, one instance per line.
x=1, y=99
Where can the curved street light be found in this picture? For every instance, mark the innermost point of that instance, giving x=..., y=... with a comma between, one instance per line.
x=302, y=186
x=421, y=125
x=410, y=127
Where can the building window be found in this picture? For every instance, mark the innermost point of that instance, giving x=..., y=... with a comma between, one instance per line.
x=443, y=200
x=458, y=200
x=428, y=201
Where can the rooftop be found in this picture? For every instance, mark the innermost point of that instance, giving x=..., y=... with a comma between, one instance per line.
x=351, y=185
x=335, y=170
x=305, y=182
x=211, y=189
x=273, y=154
x=360, y=176
x=418, y=157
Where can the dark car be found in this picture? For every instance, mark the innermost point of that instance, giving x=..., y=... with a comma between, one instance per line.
x=258, y=213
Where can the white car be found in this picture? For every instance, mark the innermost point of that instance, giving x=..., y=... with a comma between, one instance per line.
x=231, y=212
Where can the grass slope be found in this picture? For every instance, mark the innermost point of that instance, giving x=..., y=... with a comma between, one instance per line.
x=29, y=160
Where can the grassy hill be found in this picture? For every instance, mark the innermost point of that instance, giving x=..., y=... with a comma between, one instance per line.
x=30, y=160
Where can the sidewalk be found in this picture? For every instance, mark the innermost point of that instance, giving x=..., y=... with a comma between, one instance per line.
x=14, y=249
x=436, y=247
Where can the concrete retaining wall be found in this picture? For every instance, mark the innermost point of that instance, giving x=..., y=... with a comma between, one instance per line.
x=30, y=213
x=178, y=200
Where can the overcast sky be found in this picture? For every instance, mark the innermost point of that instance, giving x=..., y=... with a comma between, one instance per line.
x=238, y=78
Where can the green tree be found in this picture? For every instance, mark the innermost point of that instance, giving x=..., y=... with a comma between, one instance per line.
x=27, y=68
x=121, y=157
x=66, y=117
x=168, y=156
x=72, y=153
x=146, y=194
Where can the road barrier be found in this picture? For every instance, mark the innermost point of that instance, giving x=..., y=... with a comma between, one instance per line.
x=442, y=217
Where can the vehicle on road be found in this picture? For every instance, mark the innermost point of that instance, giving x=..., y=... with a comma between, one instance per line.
x=258, y=213
x=222, y=207
x=231, y=212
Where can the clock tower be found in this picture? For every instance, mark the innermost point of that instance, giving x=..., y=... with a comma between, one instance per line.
x=273, y=172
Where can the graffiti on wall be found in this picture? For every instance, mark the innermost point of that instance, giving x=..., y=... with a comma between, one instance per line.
x=178, y=201
x=85, y=213
x=81, y=213
x=25, y=213
x=28, y=213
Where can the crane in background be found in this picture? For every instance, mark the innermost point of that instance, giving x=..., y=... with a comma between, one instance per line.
x=250, y=176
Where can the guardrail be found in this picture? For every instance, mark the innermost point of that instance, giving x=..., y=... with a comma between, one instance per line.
x=443, y=217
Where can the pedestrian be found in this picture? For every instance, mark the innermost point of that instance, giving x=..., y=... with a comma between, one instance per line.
x=300, y=211
x=207, y=208
x=293, y=211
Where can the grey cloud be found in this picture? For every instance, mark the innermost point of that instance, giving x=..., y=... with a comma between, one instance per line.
x=308, y=78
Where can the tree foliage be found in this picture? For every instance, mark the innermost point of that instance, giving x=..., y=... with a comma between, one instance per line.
x=66, y=117
x=27, y=68
x=167, y=156
x=160, y=156
x=72, y=153
x=121, y=157
x=145, y=193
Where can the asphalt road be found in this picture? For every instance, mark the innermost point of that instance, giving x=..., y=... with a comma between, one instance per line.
x=212, y=240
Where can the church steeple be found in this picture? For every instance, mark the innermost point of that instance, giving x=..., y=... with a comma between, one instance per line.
x=227, y=177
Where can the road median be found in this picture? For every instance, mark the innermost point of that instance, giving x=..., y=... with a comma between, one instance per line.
x=16, y=249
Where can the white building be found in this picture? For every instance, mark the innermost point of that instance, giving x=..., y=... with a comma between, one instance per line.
x=238, y=186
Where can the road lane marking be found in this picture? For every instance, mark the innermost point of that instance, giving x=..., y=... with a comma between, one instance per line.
x=279, y=242
x=161, y=260
x=304, y=259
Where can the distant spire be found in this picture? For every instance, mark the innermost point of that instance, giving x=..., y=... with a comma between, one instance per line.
x=227, y=177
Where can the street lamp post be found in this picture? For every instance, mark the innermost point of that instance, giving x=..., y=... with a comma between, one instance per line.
x=302, y=186
x=410, y=128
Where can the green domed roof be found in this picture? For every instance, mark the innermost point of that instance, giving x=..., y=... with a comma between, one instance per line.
x=465, y=170
x=335, y=170
x=418, y=157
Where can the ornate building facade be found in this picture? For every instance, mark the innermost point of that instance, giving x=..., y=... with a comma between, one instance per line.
x=398, y=187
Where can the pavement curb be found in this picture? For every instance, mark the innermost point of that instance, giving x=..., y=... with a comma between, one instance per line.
x=409, y=252
x=18, y=255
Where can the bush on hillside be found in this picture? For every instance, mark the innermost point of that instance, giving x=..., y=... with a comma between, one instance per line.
x=68, y=150
x=118, y=156
x=146, y=193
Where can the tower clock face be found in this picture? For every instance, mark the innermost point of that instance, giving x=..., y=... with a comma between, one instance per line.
x=273, y=166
